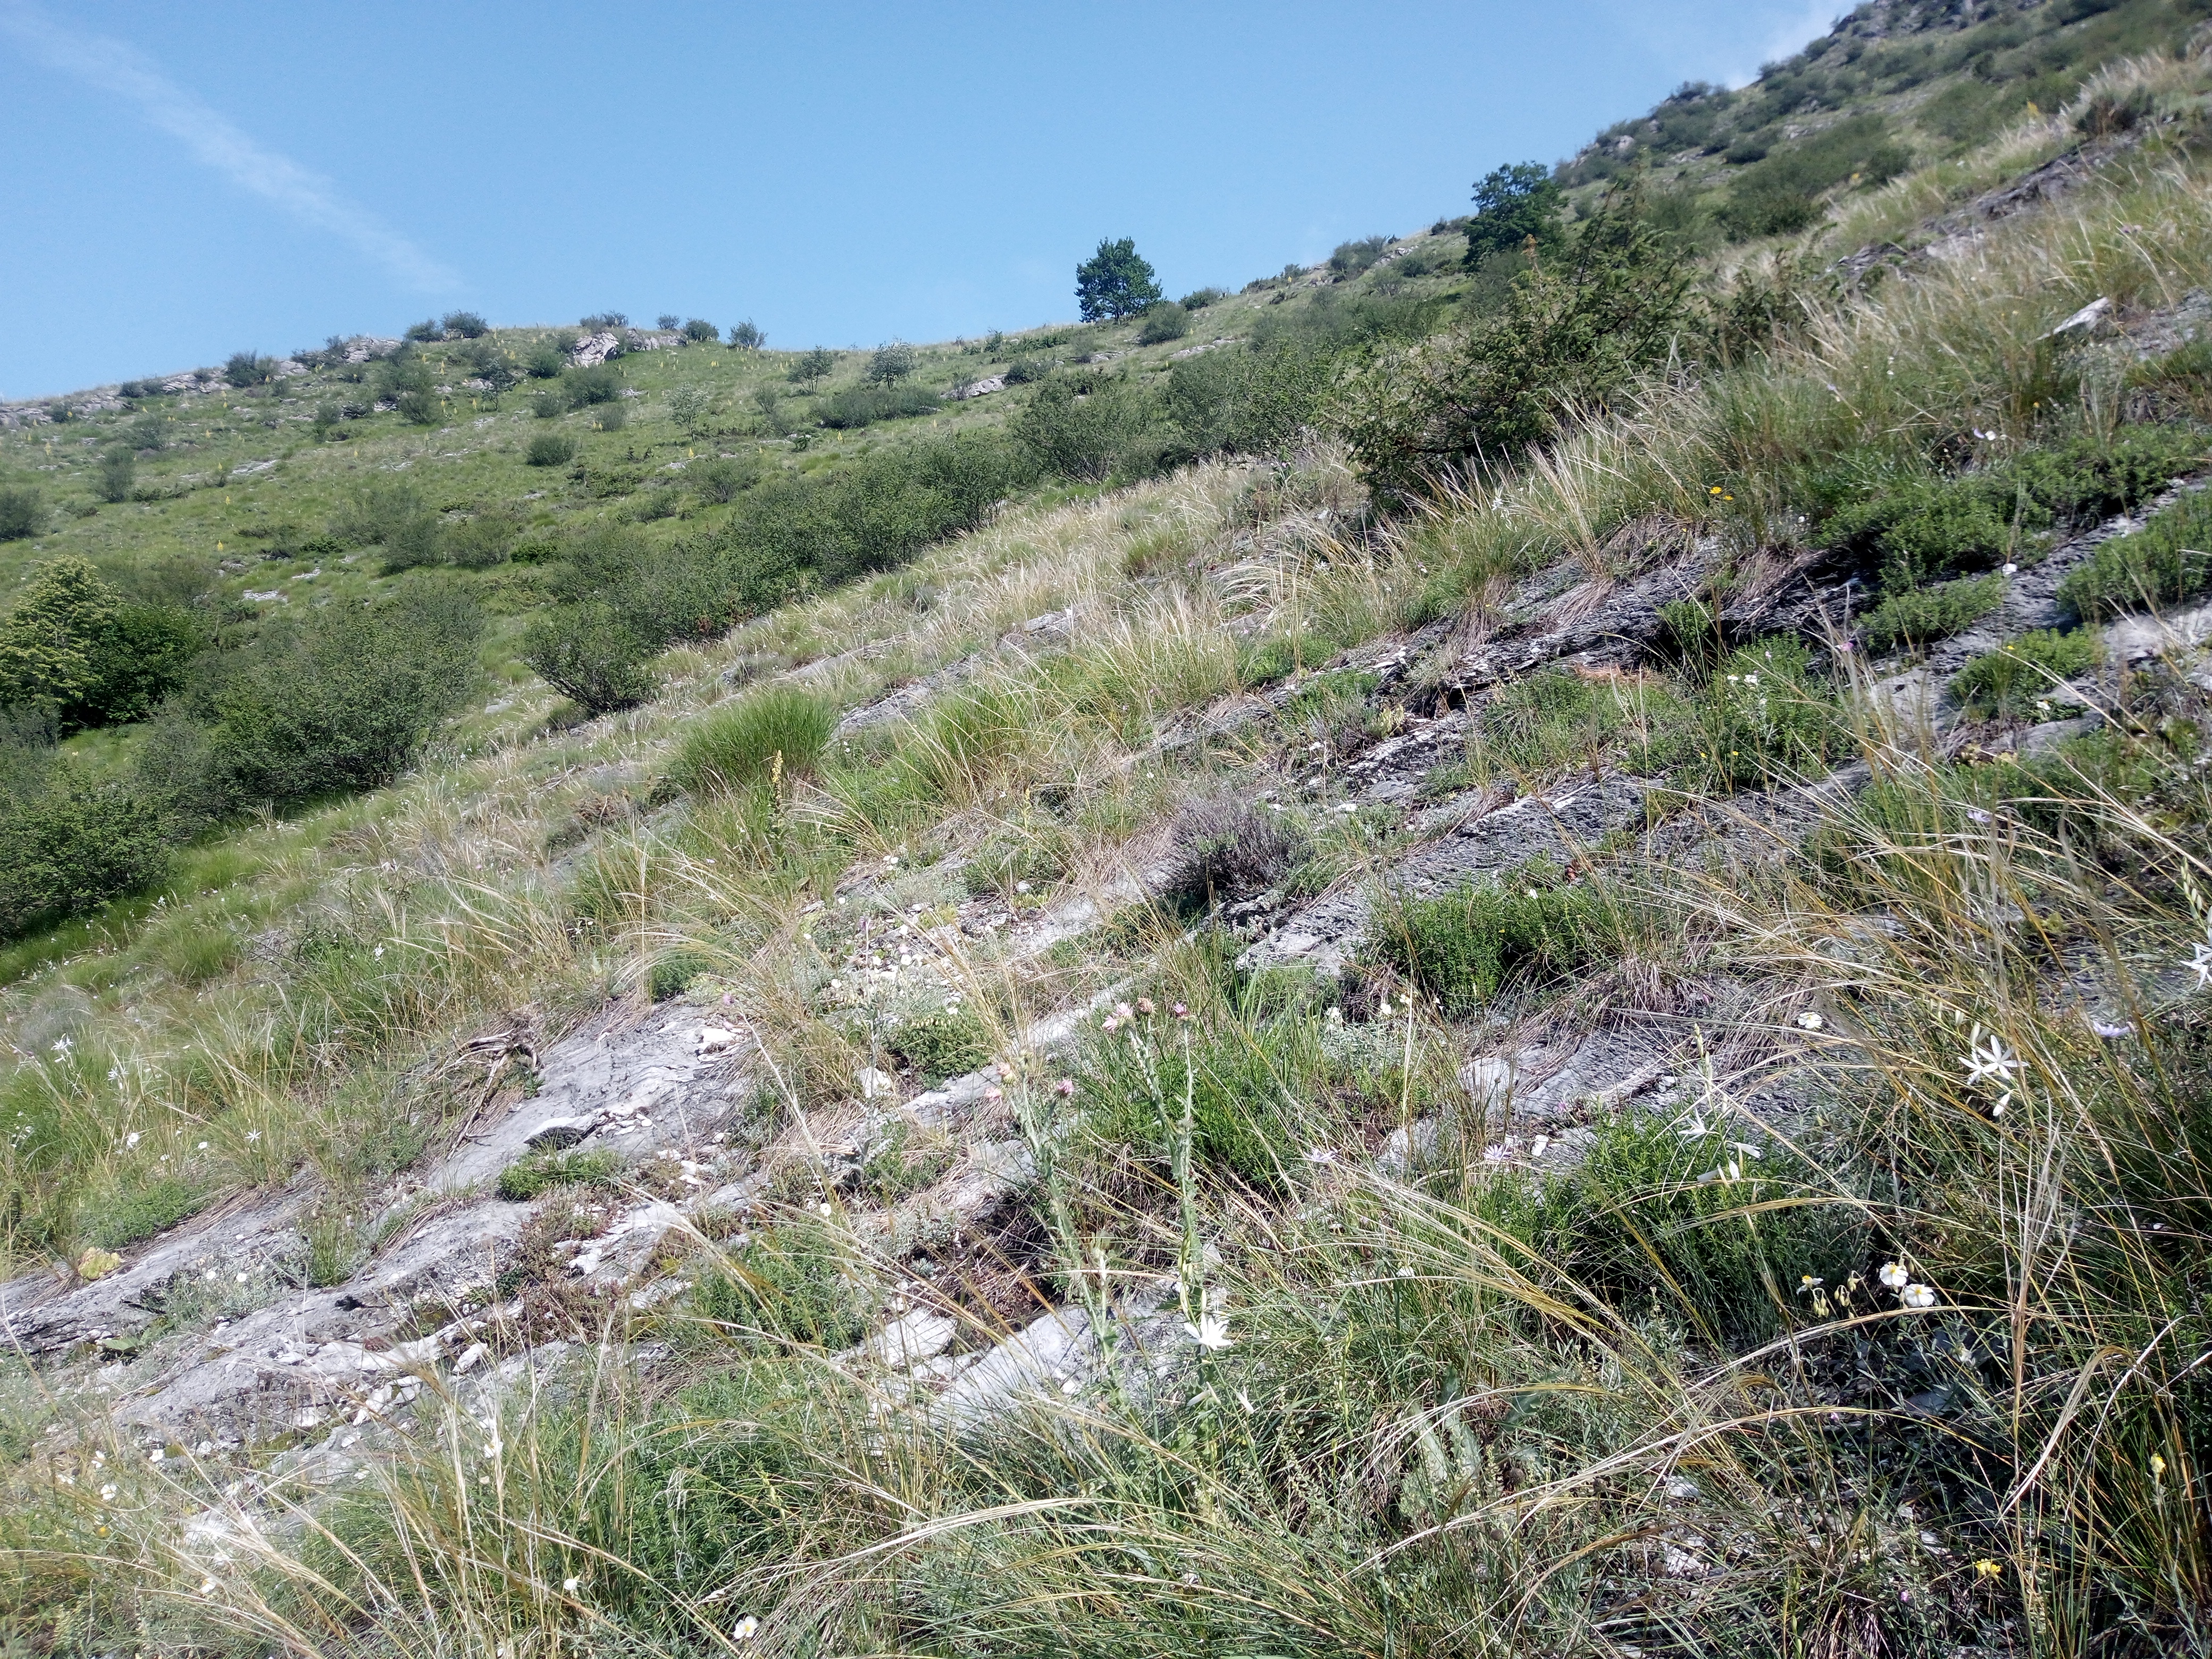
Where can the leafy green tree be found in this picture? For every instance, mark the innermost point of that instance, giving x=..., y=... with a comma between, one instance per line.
x=51, y=638
x=700, y=331
x=746, y=336
x=892, y=360
x=466, y=323
x=1115, y=281
x=811, y=366
x=1511, y=204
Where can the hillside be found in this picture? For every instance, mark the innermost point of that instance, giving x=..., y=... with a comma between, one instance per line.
x=1501, y=948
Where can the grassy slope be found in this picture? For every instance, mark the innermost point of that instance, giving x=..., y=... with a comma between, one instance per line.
x=1490, y=1426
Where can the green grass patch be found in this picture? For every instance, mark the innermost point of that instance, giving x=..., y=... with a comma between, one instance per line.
x=794, y=1283
x=538, y=1172
x=777, y=731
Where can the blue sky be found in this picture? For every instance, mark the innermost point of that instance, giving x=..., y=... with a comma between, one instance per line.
x=179, y=183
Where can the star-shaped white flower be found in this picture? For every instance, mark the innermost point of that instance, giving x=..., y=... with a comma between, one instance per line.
x=2200, y=963
x=1210, y=1332
x=1989, y=1061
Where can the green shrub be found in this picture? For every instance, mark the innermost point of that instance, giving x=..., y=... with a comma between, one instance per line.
x=853, y=406
x=464, y=324
x=1119, y=430
x=71, y=842
x=1762, y=718
x=2167, y=561
x=550, y=449
x=721, y=479
x=2009, y=682
x=700, y=331
x=535, y=1172
x=1199, y=299
x=747, y=336
x=1929, y=530
x=945, y=1043
x=1527, y=931
x=779, y=730
x=592, y=655
x=546, y=363
x=794, y=1282
x=1164, y=322
x=671, y=974
x=23, y=514
x=1920, y=616
x=809, y=366
x=610, y=417
x=118, y=473
x=246, y=368
x=480, y=542
x=341, y=701
x=599, y=384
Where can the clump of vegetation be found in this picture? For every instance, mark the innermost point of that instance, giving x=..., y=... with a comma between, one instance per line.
x=536, y=1173
x=1115, y=281
x=671, y=973
x=2011, y=680
x=2167, y=561
x=777, y=731
x=1916, y=616
x=1164, y=321
x=550, y=449
x=1227, y=850
x=942, y=1043
x=1527, y=930
x=592, y=654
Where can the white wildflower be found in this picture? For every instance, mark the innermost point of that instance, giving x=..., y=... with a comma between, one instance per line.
x=1809, y=1021
x=1210, y=1332
x=1894, y=1275
x=1989, y=1062
x=1917, y=1295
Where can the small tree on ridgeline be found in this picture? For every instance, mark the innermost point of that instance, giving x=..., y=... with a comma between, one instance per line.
x=1115, y=282
x=1511, y=204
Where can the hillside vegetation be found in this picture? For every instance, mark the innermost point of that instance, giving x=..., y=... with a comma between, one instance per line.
x=1500, y=948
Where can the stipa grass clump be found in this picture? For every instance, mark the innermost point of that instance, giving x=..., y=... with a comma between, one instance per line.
x=777, y=731
x=1227, y=850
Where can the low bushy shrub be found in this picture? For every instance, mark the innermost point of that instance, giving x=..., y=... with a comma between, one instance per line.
x=117, y=473
x=342, y=700
x=1917, y=617
x=550, y=449
x=721, y=479
x=592, y=655
x=464, y=325
x=1119, y=429
x=69, y=841
x=853, y=406
x=2007, y=683
x=120, y=1215
x=1226, y=850
x=1528, y=929
x=671, y=973
x=21, y=514
x=1164, y=322
x=778, y=730
x=610, y=417
x=2167, y=561
x=944, y=1043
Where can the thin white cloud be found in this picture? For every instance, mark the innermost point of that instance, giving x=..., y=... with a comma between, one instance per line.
x=1808, y=22
x=115, y=67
